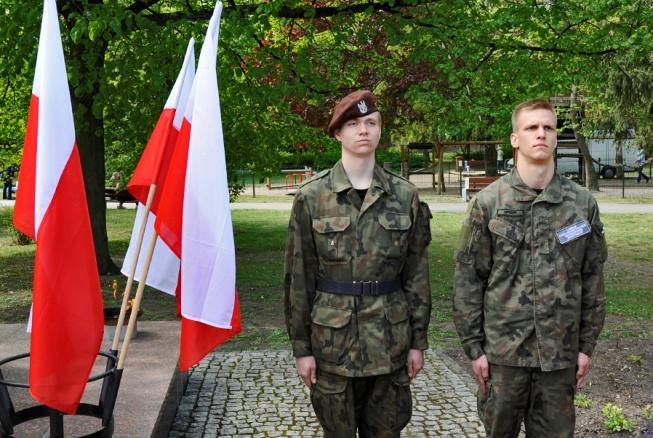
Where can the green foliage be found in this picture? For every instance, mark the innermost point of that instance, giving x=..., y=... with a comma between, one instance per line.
x=647, y=413
x=615, y=420
x=634, y=359
x=7, y=231
x=442, y=71
x=582, y=401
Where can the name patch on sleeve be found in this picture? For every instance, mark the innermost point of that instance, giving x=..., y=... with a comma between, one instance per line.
x=574, y=231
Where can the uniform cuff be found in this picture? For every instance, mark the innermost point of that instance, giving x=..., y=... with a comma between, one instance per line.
x=473, y=350
x=301, y=349
x=587, y=348
x=419, y=342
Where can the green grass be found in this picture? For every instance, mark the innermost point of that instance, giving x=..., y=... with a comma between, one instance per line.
x=260, y=240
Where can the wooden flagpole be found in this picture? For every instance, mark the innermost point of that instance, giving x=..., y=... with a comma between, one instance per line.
x=132, y=269
x=137, y=302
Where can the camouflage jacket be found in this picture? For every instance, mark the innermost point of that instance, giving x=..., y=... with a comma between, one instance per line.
x=333, y=235
x=521, y=296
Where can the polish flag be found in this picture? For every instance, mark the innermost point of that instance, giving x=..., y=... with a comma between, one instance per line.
x=67, y=315
x=152, y=169
x=194, y=218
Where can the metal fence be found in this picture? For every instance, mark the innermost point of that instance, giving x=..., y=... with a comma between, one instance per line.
x=623, y=185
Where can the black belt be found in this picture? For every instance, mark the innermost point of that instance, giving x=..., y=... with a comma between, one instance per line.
x=371, y=288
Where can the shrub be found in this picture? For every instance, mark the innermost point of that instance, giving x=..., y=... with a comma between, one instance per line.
x=615, y=420
x=6, y=224
x=647, y=412
x=582, y=401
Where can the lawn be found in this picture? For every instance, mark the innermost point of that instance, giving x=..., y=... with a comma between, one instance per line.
x=260, y=239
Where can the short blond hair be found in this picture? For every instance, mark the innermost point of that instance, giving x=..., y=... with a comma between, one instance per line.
x=530, y=105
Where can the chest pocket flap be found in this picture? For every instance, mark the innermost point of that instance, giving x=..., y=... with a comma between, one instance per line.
x=331, y=224
x=395, y=221
x=330, y=316
x=507, y=230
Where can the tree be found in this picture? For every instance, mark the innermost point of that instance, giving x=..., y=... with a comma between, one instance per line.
x=442, y=70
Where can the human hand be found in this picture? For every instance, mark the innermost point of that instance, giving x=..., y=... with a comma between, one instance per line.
x=582, y=368
x=481, y=371
x=306, y=368
x=414, y=362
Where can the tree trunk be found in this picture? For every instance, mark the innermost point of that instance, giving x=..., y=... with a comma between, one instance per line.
x=90, y=141
x=619, y=158
x=591, y=177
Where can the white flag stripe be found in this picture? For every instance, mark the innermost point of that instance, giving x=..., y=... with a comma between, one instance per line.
x=180, y=91
x=56, y=131
x=208, y=263
x=164, y=268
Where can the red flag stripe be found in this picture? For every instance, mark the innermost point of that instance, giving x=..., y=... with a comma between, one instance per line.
x=199, y=339
x=25, y=199
x=168, y=223
x=66, y=329
x=153, y=165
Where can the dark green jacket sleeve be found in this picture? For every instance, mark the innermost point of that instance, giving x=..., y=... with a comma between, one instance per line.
x=415, y=274
x=473, y=259
x=593, y=288
x=299, y=278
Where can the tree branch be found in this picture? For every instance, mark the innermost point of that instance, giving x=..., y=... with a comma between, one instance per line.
x=300, y=12
x=141, y=5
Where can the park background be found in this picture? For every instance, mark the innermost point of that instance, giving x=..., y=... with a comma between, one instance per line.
x=442, y=71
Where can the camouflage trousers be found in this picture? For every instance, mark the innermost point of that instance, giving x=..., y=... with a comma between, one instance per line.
x=544, y=401
x=378, y=406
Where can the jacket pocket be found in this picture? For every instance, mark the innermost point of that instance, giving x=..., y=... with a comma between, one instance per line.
x=330, y=333
x=398, y=329
x=507, y=238
x=393, y=240
x=573, y=254
x=330, y=237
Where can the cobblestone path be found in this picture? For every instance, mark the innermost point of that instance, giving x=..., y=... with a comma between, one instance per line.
x=258, y=394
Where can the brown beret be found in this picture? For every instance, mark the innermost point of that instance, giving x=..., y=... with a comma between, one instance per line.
x=357, y=104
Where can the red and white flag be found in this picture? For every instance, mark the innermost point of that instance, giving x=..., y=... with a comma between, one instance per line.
x=194, y=217
x=152, y=168
x=67, y=315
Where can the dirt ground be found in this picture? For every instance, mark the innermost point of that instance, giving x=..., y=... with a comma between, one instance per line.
x=621, y=373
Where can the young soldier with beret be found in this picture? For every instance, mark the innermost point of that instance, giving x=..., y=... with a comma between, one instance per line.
x=529, y=299
x=357, y=292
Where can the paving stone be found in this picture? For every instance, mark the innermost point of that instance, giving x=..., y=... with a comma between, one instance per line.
x=257, y=393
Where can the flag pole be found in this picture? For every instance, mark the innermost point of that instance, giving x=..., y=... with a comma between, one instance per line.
x=137, y=302
x=132, y=269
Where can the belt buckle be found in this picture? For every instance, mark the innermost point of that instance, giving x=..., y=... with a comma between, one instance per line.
x=369, y=288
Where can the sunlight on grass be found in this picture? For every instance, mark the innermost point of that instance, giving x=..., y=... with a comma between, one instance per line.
x=260, y=238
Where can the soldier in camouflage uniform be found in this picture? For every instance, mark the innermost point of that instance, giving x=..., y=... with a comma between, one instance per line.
x=357, y=292
x=529, y=298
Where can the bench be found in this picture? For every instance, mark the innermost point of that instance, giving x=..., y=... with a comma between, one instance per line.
x=293, y=178
x=121, y=196
x=474, y=184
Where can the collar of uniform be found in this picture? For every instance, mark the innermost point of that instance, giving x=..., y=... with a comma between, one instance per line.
x=340, y=181
x=552, y=193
